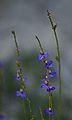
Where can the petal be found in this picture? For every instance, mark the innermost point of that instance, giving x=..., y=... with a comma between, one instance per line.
x=50, y=62
x=52, y=74
x=44, y=79
x=18, y=93
x=46, y=110
x=45, y=54
x=18, y=78
x=43, y=85
x=40, y=57
x=53, y=88
x=25, y=78
x=23, y=94
x=48, y=89
x=51, y=113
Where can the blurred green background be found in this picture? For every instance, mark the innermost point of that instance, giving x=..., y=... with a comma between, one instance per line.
x=11, y=106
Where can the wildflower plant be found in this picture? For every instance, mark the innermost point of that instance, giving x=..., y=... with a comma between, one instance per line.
x=49, y=73
x=46, y=84
x=54, y=26
x=22, y=91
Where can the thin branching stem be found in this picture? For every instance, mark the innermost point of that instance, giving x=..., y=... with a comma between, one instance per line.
x=58, y=59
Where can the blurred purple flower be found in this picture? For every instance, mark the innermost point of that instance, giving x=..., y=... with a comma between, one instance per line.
x=44, y=86
x=1, y=64
x=17, y=78
x=21, y=93
x=2, y=117
x=48, y=110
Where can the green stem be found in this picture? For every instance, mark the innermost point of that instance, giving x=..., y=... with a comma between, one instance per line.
x=24, y=110
x=19, y=65
x=39, y=44
x=58, y=59
x=29, y=103
x=49, y=103
x=50, y=94
x=17, y=48
x=42, y=118
x=21, y=74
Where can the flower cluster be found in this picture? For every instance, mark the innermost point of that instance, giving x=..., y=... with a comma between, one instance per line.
x=48, y=110
x=46, y=81
x=19, y=77
x=20, y=93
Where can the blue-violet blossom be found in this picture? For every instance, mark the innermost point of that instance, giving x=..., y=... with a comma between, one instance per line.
x=48, y=110
x=48, y=63
x=21, y=93
x=42, y=55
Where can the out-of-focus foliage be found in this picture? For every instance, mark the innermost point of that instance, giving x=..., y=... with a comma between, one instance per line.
x=11, y=106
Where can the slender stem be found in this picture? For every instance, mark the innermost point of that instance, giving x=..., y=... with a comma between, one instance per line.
x=42, y=118
x=52, y=105
x=47, y=72
x=58, y=59
x=39, y=44
x=29, y=103
x=17, y=48
x=49, y=103
x=50, y=99
x=24, y=110
x=18, y=63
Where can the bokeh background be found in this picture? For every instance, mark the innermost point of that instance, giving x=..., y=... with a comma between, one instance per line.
x=29, y=18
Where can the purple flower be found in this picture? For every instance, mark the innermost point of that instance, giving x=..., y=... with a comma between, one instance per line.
x=21, y=93
x=48, y=110
x=48, y=63
x=1, y=64
x=50, y=88
x=2, y=117
x=44, y=86
x=17, y=78
x=52, y=74
x=42, y=55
